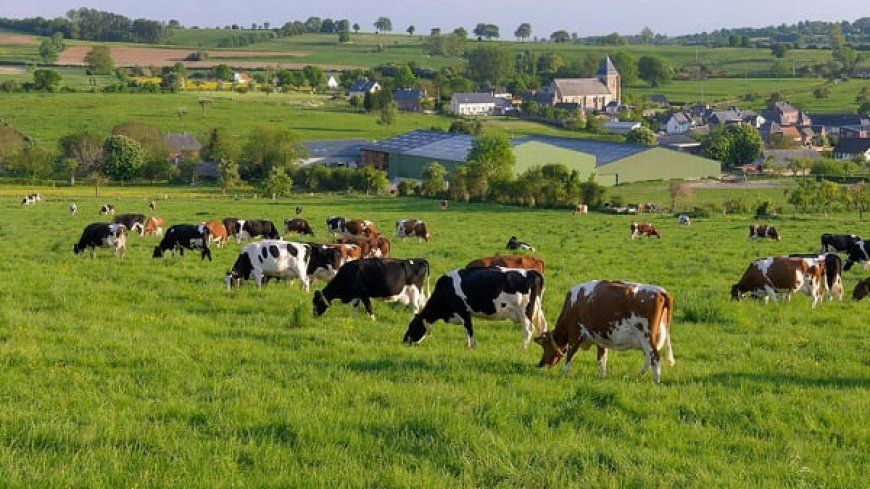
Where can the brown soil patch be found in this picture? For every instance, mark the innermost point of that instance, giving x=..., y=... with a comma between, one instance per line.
x=16, y=39
x=131, y=56
x=13, y=70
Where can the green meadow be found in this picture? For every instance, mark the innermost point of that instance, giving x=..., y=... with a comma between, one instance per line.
x=149, y=373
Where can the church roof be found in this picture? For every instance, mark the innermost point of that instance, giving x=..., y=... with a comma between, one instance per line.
x=579, y=87
x=607, y=67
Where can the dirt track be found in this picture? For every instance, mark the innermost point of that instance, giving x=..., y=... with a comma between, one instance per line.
x=16, y=39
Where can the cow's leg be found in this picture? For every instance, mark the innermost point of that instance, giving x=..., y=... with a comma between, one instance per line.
x=771, y=293
x=570, y=350
x=528, y=331
x=602, y=361
x=469, y=330
x=258, y=278
x=671, y=360
x=92, y=251
x=367, y=302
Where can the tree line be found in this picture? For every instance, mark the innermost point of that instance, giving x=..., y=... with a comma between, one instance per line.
x=92, y=25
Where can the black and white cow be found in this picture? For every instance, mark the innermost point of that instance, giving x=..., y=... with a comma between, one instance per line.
x=335, y=225
x=833, y=284
x=270, y=258
x=389, y=279
x=31, y=199
x=73, y=208
x=134, y=222
x=838, y=243
x=858, y=253
x=491, y=293
x=324, y=263
x=181, y=236
x=515, y=244
x=102, y=235
x=107, y=209
x=251, y=228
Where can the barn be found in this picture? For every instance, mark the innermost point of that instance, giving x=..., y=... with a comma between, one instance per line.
x=406, y=155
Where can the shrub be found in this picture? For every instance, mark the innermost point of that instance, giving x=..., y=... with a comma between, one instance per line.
x=735, y=205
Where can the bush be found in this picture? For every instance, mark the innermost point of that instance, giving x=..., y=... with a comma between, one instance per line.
x=406, y=188
x=736, y=205
x=765, y=209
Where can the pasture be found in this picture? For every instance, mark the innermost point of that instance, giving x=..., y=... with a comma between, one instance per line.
x=149, y=373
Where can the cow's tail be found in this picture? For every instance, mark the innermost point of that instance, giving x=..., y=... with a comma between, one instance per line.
x=428, y=281
x=535, y=311
x=665, y=315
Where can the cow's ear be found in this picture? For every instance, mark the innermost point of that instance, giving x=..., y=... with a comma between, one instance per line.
x=540, y=339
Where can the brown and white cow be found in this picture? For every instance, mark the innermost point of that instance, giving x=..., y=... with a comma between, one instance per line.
x=217, y=232
x=370, y=247
x=361, y=227
x=616, y=315
x=509, y=261
x=153, y=226
x=409, y=228
x=767, y=276
x=763, y=231
x=348, y=252
x=862, y=290
x=580, y=209
x=644, y=229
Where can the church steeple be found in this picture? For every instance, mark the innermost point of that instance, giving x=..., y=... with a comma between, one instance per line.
x=609, y=76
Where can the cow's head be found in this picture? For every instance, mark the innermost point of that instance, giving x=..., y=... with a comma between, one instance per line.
x=76, y=249
x=552, y=352
x=232, y=280
x=320, y=302
x=773, y=233
x=735, y=292
x=418, y=329
x=862, y=290
x=158, y=253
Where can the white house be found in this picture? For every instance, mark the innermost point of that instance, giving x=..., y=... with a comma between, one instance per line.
x=472, y=104
x=363, y=86
x=678, y=123
x=332, y=83
x=619, y=127
x=241, y=78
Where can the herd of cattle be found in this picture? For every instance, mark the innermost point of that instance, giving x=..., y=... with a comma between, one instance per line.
x=357, y=266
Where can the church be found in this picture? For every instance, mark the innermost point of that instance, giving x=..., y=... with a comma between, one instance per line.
x=590, y=94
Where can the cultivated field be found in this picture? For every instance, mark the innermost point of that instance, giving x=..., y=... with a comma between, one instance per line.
x=149, y=373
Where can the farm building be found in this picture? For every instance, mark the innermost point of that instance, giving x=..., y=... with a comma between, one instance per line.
x=406, y=155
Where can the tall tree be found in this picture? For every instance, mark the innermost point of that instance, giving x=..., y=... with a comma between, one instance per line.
x=654, y=70
x=733, y=144
x=646, y=35
x=84, y=148
x=626, y=65
x=523, y=32
x=411, y=29
x=356, y=27
x=560, y=36
x=219, y=147
x=493, y=156
x=488, y=31
x=489, y=65
x=642, y=136
x=46, y=80
x=99, y=60
x=122, y=158
x=434, y=183
x=47, y=52
x=269, y=147
x=383, y=24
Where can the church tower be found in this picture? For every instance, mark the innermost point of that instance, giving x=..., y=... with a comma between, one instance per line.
x=610, y=77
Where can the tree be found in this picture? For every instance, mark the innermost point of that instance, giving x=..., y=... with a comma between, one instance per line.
x=654, y=70
x=560, y=36
x=383, y=24
x=57, y=41
x=779, y=49
x=223, y=72
x=150, y=138
x=269, y=147
x=550, y=63
x=523, y=32
x=488, y=31
x=83, y=148
x=278, y=184
x=489, y=65
x=343, y=36
x=388, y=115
x=99, y=60
x=822, y=92
x=219, y=146
x=646, y=36
x=314, y=76
x=626, y=65
x=47, y=52
x=203, y=104
x=493, y=155
x=313, y=24
x=733, y=144
x=461, y=32
x=356, y=27
x=32, y=163
x=433, y=180
x=678, y=190
x=122, y=158
x=411, y=29
x=642, y=136
x=374, y=180
x=46, y=80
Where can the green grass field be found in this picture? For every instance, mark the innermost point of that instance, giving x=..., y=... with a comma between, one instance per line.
x=149, y=373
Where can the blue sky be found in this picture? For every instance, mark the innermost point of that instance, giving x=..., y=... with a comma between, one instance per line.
x=671, y=17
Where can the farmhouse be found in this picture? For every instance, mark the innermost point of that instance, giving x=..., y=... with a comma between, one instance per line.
x=591, y=94
x=182, y=146
x=472, y=104
x=850, y=148
x=409, y=100
x=362, y=87
x=406, y=156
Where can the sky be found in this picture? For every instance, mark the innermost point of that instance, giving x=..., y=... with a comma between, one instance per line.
x=586, y=18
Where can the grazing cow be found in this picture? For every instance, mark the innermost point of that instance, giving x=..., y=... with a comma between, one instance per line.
x=361, y=280
x=833, y=283
x=73, y=208
x=297, y=225
x=617, y=315
x=217, y=232
x=152, y=205
x=298, y=211
x=580, y=209
x=862, y=290
x=644, y=229
x=270, y=258
x=515, y=244
x=324, y=263
x=491, y=293
x=684, y=220
x=767, y=276
x=102, y=235
x=838, y=243
x=153, y=226
x=407, y=228
x=361, y=227
x=31, y=199
x=348, y=252
x=443, y=205
x=246, y=229
x=133, y=222
x=183, y=236
x=335, y=225
x=509, y=261
x=370, y=247
x=763, y=231
x=107, y=209
x=858, y=253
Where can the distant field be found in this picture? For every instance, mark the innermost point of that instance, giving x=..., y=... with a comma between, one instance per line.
x=148, y=373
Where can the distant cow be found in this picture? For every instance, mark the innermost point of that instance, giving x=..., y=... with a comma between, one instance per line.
x=862, y=290
x=335, y=225
x=580, y=209
x=370, y=247
x=491, y=293
x=351, y=227
x=515, y=244
x=443, y=205
x=509, y=261
x=611, y=315
x=270, y=258
x=243, y=229
x=833, y=283
x=347, y=252
x=152, y=205
x=107, y=209
x=133, y=222
x=767, y=276
x=31, y=199
x=838, y=243
x=298, y=211
x=684, y=220
x=409, y=228
x=361, y=280
x=181, y=236
x=73, y=208
x=644, y=229
x=858, y=253
x=217, y=232
x=763, y=231
x=297, y=225
x=153, y=226
x=102, y=235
